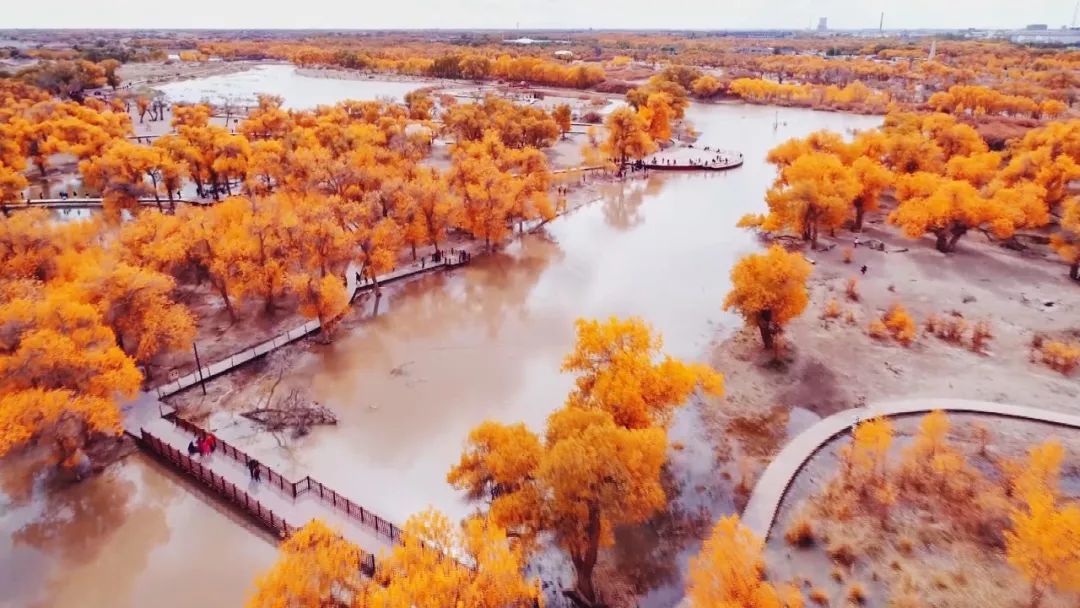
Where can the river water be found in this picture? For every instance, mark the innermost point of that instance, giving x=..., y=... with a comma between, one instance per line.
x=445, y=353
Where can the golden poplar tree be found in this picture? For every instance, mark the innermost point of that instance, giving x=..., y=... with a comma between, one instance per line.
x=769, y=290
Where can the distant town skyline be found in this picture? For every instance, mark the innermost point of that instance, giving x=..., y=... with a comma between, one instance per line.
x=541, y=14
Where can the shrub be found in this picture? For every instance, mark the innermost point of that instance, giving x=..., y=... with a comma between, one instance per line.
x=838, y=574
x=832, y=310
x=819, y=596
x=592, y=117
x=849, y=255
x=800, y=533
x=841, y=552
x=1060, y=356
x=899, y=325
x=853, y=289
x=878, y=330
x=856, y=593
x=906, y=544
x=980, y=335
x=849, y=316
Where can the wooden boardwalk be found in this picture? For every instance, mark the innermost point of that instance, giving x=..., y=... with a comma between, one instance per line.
x=352, y=288
x=279, y=505
x=276, y=503
x=93, y=203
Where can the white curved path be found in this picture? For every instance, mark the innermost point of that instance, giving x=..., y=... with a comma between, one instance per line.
x=768, y=494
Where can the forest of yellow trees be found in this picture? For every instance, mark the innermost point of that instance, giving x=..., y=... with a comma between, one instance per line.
x=983, y=139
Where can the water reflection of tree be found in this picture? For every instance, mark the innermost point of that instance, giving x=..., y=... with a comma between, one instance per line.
x=622, y=203
x=465, y=324
x=77, y=519
x=491, y=290
x=647, y=555
x=19, y=472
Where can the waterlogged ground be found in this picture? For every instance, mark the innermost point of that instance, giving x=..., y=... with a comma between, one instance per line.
x=445, y=353
x=134, y=536
x=300, y=92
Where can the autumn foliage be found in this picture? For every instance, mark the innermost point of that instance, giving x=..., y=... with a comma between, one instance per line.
x=730, y=569
x=598, y=464
x=769, y=290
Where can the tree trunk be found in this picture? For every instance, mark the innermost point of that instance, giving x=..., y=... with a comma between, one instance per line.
x=765, y=326
x=859, y=212
x=942, y=243
x=1036, y=595
x=956, y=234
x=1074, y=270
x=224, y=291
x=584, y=564
x=413, y=251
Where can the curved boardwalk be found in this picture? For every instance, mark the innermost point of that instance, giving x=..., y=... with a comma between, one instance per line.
x=764, y=504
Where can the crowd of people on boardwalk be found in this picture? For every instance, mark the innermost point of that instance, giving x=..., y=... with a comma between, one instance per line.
x=718, y=159
x=206, y=444
x=202, y=446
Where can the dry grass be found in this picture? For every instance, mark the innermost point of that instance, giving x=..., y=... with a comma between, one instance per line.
x=832, y=310
x=1060, y=356
x=841, y=552
x=856, y=594
x=852, y=289
x=878, y=330
x=981, y=333
x=950, y=328
x=819, y=596
x=900, y=324
x=800, y=533
x=849, y=255
x=895, y=323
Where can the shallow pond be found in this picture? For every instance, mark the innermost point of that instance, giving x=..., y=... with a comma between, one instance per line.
x=300, y=92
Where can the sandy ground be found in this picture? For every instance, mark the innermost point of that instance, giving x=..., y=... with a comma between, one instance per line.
x=830, y=365
x=961, y=574
x=141, y=75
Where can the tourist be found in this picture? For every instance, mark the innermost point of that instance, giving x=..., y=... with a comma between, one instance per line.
x=204, y=446
x=253, y=468
x=191, y=449
x=864, y=269
x=211, y=442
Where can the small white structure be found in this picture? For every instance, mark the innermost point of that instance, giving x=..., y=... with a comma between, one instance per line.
x=564, y=55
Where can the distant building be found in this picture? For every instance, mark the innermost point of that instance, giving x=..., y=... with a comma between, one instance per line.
x=823, y=24
x=1062, y=36
x=1037, y=27
x=564, y=55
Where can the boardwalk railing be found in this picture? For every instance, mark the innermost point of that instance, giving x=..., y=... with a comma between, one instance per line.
x=217, y=368
x=238, y=497
x=77, y=202
x=295, y=489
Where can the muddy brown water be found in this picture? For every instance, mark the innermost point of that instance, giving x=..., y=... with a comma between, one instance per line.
x=445, y=353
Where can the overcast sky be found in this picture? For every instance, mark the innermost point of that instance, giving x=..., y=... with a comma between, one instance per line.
x=507, y=14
